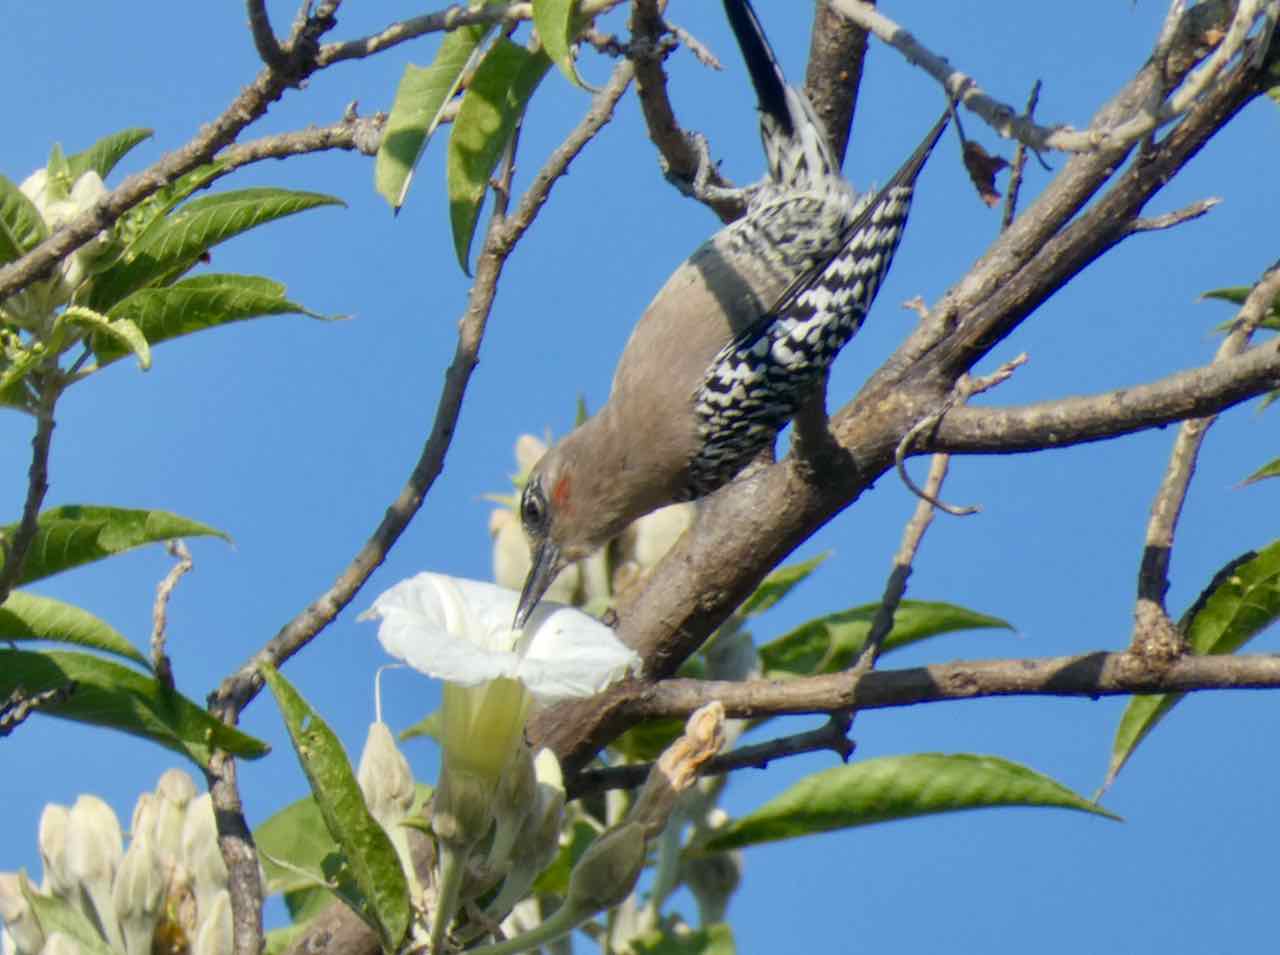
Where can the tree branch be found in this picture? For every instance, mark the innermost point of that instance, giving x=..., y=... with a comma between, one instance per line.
x=458, y=15
x=752, y=525
x=1153, y=632
x=1088, y=676
x=837, y=51
x=264, y=38
x=501, y=238
x=1002, y=117
x=247, y=107
x=1057, y=424
x=686, y=157
x=15, y=550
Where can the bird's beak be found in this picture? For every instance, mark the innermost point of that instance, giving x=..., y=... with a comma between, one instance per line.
x=546, y=564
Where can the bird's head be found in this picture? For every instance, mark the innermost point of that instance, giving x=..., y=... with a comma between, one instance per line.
x=552, y=525
x=577, y=498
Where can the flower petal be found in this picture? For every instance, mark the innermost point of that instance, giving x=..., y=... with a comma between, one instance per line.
x=460, y=630
x=571, y=654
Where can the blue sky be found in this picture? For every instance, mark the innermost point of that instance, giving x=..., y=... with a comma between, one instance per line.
x=293, y=435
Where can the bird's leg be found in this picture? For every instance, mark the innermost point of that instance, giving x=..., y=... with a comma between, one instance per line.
x=812, y=443
x=702, y=187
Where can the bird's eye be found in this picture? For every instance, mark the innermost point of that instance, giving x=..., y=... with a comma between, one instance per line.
x=533, y=507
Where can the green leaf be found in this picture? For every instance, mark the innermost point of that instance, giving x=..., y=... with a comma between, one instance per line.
x=109, y=694
x=371, y=859
x=60, y=181
x=122, y=332
x=20, y=365
x=429, y=726
x=295, y=845
x=103, y=155
x=896, y=787
x=56, y=915
x=831, y=643
x=193, y=305
x=421, y=98
x=28, y=616
x=1236, y=294
x=21, y=226
x=1266, y=471
x=778, y=584
x=173, y=244
x=296, y=836
x=76, y=534
x=557, y=28
x=491, y=107
x=135, y=224
x=715, y=939
x=1238, y=605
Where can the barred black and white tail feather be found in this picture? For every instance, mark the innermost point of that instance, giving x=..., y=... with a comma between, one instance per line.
x=796, y=145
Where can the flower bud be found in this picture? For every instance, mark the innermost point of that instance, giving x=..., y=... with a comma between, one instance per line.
x=538, y=841
x=95, y=843
x=52, y=839
x=462, y=811
x=95, y=846
x=385, y=777
x=214, y=936
x=177, y=786
x=60, y=943
x=138, y=895
x=529, y=451
x=608, y=870
x=511, y=560
x=200, y=851
x=25, y=934
x=647, y=540
x=174, y=792
x=712, y=878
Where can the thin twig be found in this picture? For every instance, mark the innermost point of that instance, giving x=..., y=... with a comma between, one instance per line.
x=964, y=389
x=830, y=737
x=15, y=550
x=896, y=586
x=20, y=705
x=502, y=234
x=458, y=15
x=362, y=134
x=1170, y=219
x=160, y=662
x=264, y=38
x=1005, y=120
x=685, y=156
x=1166, y=508
x=247, y=107
x=1019, y=162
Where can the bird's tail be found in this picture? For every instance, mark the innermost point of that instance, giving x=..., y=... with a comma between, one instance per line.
x=851, y=275
x=795, y=142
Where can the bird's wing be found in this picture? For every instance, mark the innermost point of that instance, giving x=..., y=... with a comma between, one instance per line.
x=849, y=277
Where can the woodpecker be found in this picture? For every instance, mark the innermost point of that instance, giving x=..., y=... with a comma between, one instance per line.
x=735, y=340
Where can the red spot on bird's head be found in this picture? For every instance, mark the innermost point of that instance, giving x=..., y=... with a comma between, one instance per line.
x=560, y=493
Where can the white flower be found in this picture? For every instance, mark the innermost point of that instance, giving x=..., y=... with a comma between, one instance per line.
x=460, y=631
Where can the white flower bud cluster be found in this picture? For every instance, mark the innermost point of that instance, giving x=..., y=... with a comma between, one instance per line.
x=172, y=881
x=58, y=202
x=593, y=582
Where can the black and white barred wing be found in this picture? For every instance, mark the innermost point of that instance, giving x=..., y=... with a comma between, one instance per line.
x=758, y=379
